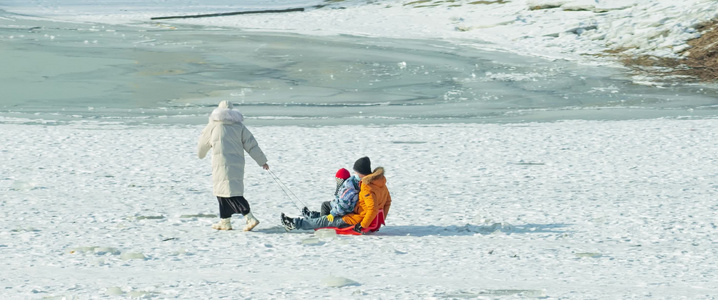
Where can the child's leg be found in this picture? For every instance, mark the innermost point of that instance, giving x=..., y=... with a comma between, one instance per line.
x=326, y=208
x=309, y=213
x=314, y=223
x=314, y=214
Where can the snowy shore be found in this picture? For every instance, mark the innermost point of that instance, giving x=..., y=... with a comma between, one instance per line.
x=580, y=30
x=577, y=209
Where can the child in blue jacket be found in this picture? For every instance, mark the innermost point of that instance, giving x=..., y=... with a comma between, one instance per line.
x=345, y=198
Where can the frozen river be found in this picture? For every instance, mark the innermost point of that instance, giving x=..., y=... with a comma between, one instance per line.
x=487, y=203
x=64, y=71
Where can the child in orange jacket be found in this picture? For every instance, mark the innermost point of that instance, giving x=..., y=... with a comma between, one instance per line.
x=373, y=196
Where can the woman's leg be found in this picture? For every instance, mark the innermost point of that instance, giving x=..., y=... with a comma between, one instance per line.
x=226, y=209
x=232, y=205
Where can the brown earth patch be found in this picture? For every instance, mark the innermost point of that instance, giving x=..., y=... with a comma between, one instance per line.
x=700, y=61
x=702, y=57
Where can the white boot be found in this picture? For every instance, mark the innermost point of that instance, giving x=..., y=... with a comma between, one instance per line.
x=223, y=224
x=251, y=222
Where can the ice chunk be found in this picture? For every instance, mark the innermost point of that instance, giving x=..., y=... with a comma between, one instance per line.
x=325, y=233
x=20, y=185
x=106, y=250
x=312, y=241
x=179, y=252
x=114, y=291
x=501, y=227
x=334, y=281
x=132, y=255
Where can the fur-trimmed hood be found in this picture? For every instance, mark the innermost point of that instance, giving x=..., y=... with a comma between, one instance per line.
x=228, y=139
x=224, y=113
x=373, y=197
x=375, y=177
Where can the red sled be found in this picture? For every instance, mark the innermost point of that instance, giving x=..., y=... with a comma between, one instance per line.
x=373, y=227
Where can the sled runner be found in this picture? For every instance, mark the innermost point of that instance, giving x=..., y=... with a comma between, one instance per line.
x=373, y=227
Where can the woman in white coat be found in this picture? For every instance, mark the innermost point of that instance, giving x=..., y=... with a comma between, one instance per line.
x=228, y=139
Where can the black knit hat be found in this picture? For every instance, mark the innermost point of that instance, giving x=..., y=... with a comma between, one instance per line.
x=363, y=166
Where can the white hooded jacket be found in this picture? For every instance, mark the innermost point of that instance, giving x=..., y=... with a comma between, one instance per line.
x=228, y=138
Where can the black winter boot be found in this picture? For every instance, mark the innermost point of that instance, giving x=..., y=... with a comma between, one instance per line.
x=288, y=222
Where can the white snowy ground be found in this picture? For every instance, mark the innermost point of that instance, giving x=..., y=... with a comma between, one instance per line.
x=578, y=30
x=571, y=210
x=577, y=209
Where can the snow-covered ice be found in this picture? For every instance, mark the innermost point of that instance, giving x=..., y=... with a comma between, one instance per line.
x=575, y=209
x=173, y=75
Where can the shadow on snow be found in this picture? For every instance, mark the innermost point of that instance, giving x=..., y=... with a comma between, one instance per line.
x=453, y=230
x=470, y=229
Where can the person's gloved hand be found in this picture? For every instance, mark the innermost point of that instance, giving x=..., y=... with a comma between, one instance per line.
x=330, y=218
x=358, y=228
